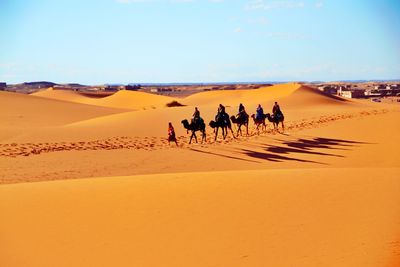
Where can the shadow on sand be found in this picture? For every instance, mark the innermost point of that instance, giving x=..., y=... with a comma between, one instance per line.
x=301, y=146
x=222, y=155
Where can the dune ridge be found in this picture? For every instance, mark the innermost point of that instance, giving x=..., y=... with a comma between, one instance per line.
x=123, y=99
x=23, y=113
x=64, y=95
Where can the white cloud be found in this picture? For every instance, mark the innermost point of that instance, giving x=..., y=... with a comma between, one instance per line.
x=269, y=5
x=319, y=4
x=238, y=30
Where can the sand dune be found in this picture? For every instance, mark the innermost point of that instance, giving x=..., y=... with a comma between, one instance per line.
x=323, y=193
x=134, y=100
x=298, y=102
x=122, y=99
x=23, y=113
x=292, y=93
x=325, y=217
x=65, y=95
x=234, y=97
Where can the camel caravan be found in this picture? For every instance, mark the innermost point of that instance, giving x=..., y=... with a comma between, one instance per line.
x=224, y=122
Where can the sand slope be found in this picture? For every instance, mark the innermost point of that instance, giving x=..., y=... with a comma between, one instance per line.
x=323, y=193
x=290, y=93
x=297, y=101
x=122, y=99
x=65, y=95
x=331, y=217
x=134, y=100
x=21, y=113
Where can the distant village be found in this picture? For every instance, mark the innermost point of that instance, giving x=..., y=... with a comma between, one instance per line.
x=360, y=90
x=343, y=89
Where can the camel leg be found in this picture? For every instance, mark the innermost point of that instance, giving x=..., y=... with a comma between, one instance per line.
x=216, y=133
x=203, y=136
x=247, y=128
x=190, y=140
x=231, y=132
x=195, y=137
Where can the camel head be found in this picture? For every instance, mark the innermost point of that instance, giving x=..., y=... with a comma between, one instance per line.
x=185, y=123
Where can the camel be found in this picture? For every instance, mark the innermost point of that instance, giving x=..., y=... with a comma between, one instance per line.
x=224, y=123
x=259, y=122
x=194, y=127
x=276, y=120
x=241, y=120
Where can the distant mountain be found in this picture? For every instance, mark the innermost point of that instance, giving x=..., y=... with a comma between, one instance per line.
x=41, y=84
x=75, y=85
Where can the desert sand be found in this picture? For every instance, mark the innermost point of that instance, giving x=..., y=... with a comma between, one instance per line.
x=94, y=182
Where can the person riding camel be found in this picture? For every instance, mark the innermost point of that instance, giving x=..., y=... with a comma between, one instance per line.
x=221, y=109
x=276, y=111
x=242, y=111
x=259, y=113
x=196, y=115
x=221, y=113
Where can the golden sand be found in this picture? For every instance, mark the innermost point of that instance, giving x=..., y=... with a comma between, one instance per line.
x=324, y=192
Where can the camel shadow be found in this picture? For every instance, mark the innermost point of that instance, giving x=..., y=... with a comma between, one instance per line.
x=280, y=153
x=325, y=143
x=274, y=157
x=222, y=155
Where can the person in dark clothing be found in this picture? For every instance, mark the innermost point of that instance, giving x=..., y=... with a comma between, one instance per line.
x=242, y=111
x=276, y=110
x=196, y=115
x=259, y=113
x=220, y=113
x=171, y=134
x=221, y=109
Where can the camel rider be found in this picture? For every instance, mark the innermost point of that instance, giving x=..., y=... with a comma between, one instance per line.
x=276, y=111
x=242, y=111
x=221, y=109
x=221, y=112
x=259, y=113
x=196, y=115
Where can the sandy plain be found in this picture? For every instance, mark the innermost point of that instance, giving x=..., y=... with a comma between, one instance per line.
x=94, y=182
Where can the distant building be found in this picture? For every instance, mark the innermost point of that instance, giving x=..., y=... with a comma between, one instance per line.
x=372, y=93
x=113, y=88
x=132, y=87
x=352, y=94
x=329, y=89
x=3, y=86
x=380, y=86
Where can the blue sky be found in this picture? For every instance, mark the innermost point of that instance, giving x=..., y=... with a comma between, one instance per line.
x=133, y=41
